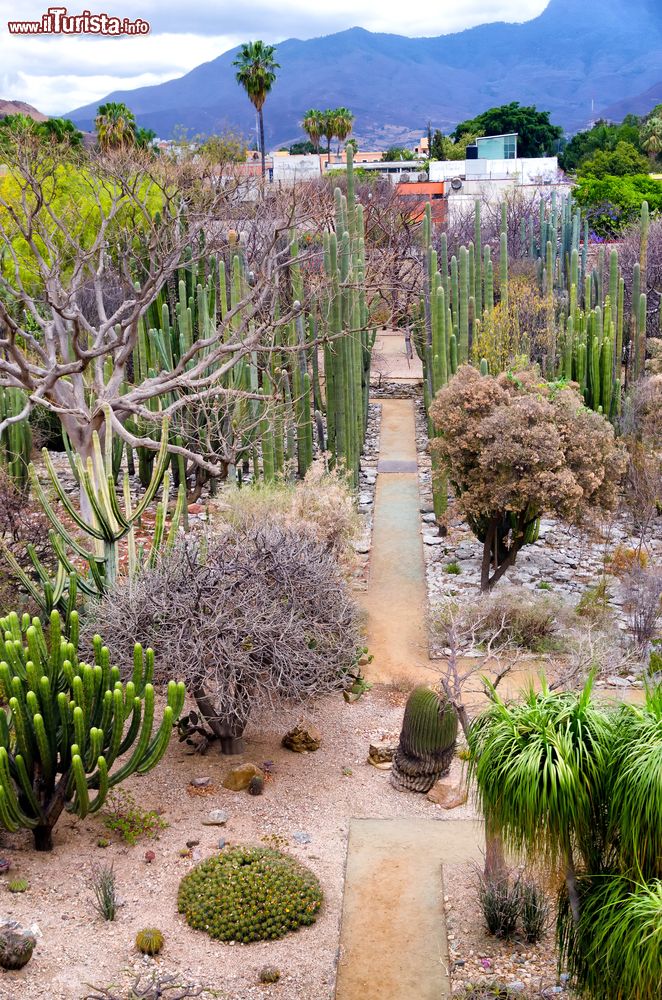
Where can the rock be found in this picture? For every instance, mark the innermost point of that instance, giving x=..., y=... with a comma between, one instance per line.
x=362, y=547
x=221, y=843
x=239, y=777
x=301, y=837
x=432, y=540
x=618, y=682
x=194, y=843
x=517, y=986
x=304, y=738
x=16, y=944
x=447, y=795
x=217, y=817
x=197, y=854
x=201, y=782
x=381, y=753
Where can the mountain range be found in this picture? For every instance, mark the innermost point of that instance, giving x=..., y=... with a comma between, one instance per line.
x=575, y=59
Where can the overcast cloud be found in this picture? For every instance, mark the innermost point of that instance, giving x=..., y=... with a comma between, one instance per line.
x=56, y=73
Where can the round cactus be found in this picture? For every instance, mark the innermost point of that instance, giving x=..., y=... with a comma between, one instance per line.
x=18, y=885
x=427, y=741
x=16, y=945
x=269, y=974
x=149, y=941
x=256, y=785
x=249, y=894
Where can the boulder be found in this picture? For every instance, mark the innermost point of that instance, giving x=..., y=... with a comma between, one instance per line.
x=304, y=738
x=239, y=777
x=381, y=752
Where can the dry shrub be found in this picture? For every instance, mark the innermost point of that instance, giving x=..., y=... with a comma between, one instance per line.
x=643, y=601
x=641, y=426
x=22, y=522
x=249, y=618
x=512, y=334
x=514, y=619
x=624, y=560
x=321, y=505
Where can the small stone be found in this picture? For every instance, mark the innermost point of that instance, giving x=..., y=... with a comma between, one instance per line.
x=217, y=817
x=201, y=782
x=239, y=777
x=517, y=986
x=381, y=753
x=304, y=738
x=301, y=837
x=197, y=854
x=195, y=508
x=192, y=843
x=447, y=795
x=221, y=843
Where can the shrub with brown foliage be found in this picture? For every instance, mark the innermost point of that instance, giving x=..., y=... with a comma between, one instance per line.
x=515, y=448
x=249, y=618
x=641, y=426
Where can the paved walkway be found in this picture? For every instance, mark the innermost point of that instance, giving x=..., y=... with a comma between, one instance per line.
x=393, y=943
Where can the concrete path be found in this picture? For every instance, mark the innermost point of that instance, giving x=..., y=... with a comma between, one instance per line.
x=393, y=943
x=396, y=599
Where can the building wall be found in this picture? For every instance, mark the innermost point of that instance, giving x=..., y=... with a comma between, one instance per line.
x=525, y=170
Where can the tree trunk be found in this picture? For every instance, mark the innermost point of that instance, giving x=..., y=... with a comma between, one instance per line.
x=571, y=886
x=227, y=730
x=495, y=861
x=264, y=164
x=43, y=838
x=328, y=150
x=494, y=550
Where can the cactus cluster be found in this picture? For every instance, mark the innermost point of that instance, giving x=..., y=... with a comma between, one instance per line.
x=16, y=441
x=249, y=894
x=427, y=741
x=67, y=723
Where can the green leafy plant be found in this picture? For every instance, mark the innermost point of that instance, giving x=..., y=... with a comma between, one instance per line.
x=249, y=894
x=129, y=820
x=149, y=941
x=453, y=568
x=66, y=723
x=104, y=886
x=269, y=974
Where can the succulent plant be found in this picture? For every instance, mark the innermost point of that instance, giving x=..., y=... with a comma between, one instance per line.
x=149, y=941
x=269, y=974
x=427, y=741
x=18, y=885
x=16, y=944
x=249, y=894
x=256, y=785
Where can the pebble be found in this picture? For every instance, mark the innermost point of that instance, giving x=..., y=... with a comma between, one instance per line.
x=301, y=837
x=217, y=817
x=201, y=782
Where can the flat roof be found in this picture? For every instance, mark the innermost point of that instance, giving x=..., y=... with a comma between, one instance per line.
x=506, y=135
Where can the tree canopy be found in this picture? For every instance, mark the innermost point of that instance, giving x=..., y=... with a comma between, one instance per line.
x=602, y=136
x=536, y=136
x=622, y=161
x=613, y=203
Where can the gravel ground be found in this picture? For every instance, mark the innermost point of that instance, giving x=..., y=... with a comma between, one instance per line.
x=314, y=794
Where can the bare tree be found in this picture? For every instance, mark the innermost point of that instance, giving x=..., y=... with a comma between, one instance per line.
x=82, y=266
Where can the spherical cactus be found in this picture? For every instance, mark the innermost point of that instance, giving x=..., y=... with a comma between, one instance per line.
x=16, y=945
x=269, y=974
x=256, y=785
x=149, y=941
x=18, y=885
x=427, y=741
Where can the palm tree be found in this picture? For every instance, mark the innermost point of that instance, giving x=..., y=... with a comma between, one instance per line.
x=145, y=138
x=312, y=124
x=256, y=75
x=61, y=130
x=328, y=130
x=115, y=125
x=652, y=142
x=344, y=123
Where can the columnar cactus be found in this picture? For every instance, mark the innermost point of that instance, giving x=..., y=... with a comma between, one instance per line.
x=427, y=741
x=16, y=441
x=67, y=723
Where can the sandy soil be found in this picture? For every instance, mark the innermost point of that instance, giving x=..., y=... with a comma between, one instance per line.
x=311, y=793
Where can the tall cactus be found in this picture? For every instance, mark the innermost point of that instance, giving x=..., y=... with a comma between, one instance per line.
x=16, y=441
x=69, y=722
x=106, y=526
x=427, y=741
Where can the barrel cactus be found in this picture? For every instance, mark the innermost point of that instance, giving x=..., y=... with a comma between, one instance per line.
x=149, y=941
x=66, y=723
x=16, y=944
x=427, y=741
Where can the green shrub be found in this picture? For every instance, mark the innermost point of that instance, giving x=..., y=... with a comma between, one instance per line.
x=453, y=568
x=249, y=894
x=129, y=820
x=534, y=912
x=104, y=887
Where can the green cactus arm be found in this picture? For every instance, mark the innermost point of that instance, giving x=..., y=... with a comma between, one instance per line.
x=7, y=819
x=97, y=500
x=101, y=781
x=143, y=740
x=118, y=719
x=26, y=582
x=95, y=748
x=176, y=697
x=47, y=711
x=65, y=729
x=125, y=522
x=178, y=513
x=4, y=725
x=159, y=744
x=79, y=728
x=46, y=753
x=81, y=803
x=160, y=466
x=25, y=741
x=132, y=731
x=25, y=784
x=66, y=503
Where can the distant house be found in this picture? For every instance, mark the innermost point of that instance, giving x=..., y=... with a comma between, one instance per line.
x=415, y=195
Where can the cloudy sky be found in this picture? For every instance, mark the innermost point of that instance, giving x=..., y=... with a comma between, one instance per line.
x=57, y=73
